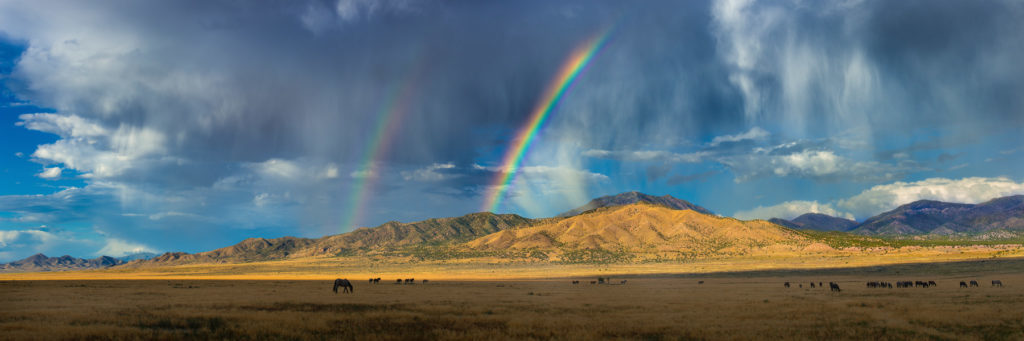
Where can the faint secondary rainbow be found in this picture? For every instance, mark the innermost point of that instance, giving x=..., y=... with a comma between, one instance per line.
x=389, y=117
x=577, y=61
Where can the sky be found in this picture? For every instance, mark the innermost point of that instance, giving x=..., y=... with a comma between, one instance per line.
x=132, y=126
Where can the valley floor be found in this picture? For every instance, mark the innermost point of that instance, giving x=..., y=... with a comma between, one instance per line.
x=735, y=305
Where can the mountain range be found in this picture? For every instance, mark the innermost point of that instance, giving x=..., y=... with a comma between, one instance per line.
x=926, y=217
x=40, y=262
x=630, y=225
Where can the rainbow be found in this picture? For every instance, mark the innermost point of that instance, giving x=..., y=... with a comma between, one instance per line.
x=567, y=74
x=389, y=117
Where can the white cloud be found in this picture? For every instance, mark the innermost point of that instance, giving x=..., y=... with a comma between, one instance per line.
x=755, y=133
x=972, y=190
x=162, y=215
x=331, y=171
x=50, y=173
x=429, y=173
x=117, y=248
x=790, y=210
x=646, y=155
x=90, y=148
x=39, y=239
x=819, y=164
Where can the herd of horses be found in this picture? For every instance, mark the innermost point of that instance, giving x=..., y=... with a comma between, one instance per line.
x=832, y=286
x=601, y=280
x=347, y=286
x=899, y=284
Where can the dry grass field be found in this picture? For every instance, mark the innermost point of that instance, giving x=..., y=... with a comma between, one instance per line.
x=730, y=305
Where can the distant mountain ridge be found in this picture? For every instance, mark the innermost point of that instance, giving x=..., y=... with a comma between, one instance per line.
x=633, y=198
x=816, y=221
x=943, y=218
x=386, y=236
x=40, y=262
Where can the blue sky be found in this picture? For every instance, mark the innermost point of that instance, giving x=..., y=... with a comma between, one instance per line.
x=131, y=126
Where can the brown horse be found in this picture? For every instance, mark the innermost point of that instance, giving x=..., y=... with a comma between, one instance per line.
x=345, y=284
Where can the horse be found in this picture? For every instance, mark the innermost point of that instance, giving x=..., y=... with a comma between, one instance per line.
x=376, y=280
x=997, y=283
x=623, y=282
x=834, y=287
x=398, y=281
x=575, y=282
x=932, y=283
x=345, y=284
x=974, y=283
x=963, y=284
x=700, y=282
x=425, y=281
x=786, y=284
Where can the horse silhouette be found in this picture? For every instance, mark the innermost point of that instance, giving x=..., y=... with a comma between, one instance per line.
x=345, y=284
x=974, y=283
x=963, y=284
x=997, y=283
x=833, y=286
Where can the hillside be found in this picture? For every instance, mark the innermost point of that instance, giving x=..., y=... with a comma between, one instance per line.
x=633, y=198
x=645, y=229
x=816, y=221
x=384, y=237
x=942, y=218
x=40, y=262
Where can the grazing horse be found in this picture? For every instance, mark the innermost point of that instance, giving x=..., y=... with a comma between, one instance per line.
x=997, y=283
x=963, y=284
x=575, y=282
x=371, y=280
x=700, y=282
x=376, y=280
x=974, y=283
x=623, y=282
x=932, y=283
x=593, y=282
x=812, y=285
x=398, y=281
x=786, y=284
x=425, y=281
x=834, y=287
x=345, y=284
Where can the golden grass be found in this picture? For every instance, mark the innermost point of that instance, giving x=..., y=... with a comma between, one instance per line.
x=751, y=305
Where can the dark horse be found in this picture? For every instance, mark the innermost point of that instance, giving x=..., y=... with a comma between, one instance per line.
x=344, y=283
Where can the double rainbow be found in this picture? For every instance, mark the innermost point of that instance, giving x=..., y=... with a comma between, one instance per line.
x=567, y=74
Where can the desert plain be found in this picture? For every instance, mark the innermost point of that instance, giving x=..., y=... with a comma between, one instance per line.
x=467, y=301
